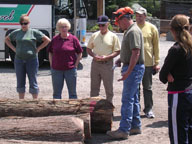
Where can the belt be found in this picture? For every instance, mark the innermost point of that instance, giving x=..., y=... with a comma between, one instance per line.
x=125, y=64
x=101, y=62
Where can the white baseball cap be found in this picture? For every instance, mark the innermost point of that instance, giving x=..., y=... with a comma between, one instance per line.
x=141, y=10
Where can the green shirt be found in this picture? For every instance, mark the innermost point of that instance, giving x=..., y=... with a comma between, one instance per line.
x=26, y=42
x=132, y=39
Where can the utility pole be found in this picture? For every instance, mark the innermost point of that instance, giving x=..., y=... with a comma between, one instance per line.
x=75, y=17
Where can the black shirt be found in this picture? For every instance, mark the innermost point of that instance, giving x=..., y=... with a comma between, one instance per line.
x=179, y=65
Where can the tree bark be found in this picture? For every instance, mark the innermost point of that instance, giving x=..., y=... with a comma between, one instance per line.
x=101, y=110
x=51, y=128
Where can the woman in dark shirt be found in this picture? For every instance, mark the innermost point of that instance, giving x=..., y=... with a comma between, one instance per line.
x=177, y=71
x=65, y=53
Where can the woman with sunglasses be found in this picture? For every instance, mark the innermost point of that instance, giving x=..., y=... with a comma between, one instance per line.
x=26, y=55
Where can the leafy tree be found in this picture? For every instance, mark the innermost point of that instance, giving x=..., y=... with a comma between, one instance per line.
x=152, y=6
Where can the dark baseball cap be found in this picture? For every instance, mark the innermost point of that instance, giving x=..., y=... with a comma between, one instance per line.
x=102, y=19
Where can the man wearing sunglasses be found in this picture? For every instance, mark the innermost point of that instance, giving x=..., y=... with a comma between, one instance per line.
x=103, y=46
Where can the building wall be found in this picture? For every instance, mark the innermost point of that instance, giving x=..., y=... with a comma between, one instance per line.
x=169, y=9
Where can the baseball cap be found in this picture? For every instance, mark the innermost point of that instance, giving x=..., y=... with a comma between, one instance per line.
x=102, y=19
x=141, y=10
x=126, y=11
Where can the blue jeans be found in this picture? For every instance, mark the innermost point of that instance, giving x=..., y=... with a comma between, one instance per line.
x=58, y=78
x=29, y=68
x=130, y=117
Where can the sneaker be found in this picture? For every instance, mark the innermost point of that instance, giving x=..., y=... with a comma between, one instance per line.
x=117, y=134
x=135, y=131
x=150, y=114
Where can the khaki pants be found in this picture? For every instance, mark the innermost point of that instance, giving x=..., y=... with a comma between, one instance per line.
x=102, y=71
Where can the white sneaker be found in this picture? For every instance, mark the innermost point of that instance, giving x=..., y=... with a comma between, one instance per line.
x=150, y=114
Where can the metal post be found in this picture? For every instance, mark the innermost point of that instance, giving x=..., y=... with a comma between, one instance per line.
x=75, y=17
x=103, y=7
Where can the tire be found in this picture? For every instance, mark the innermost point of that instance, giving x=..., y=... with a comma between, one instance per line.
x=41, y=56
x=12, y=55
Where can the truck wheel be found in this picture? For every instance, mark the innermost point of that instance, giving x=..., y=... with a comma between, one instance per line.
x=12, y=55
x=41, y=57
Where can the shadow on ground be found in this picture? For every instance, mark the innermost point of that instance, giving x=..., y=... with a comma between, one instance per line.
x=158, y=124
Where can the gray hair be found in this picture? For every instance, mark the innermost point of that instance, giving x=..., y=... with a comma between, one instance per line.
x=63, y=21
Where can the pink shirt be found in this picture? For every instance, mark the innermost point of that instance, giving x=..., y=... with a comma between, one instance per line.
x=64, y=52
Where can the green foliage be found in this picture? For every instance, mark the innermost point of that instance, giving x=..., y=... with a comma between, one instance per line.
x=110, y=9
x=152, y=6
x=110, y=27
x=96, y=28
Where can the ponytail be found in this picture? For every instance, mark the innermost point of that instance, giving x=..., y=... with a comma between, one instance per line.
x=180, y=24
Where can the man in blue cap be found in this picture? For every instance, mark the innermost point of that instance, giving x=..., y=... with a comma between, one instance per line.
x=103, y=46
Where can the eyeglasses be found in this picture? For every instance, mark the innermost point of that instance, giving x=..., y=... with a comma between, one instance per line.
x=101, y=25
x=63, y=27
x=25, y=23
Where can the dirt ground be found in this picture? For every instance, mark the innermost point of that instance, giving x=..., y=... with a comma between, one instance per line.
x=154, y=131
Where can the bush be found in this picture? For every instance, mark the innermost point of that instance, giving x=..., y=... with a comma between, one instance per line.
x=96, y=28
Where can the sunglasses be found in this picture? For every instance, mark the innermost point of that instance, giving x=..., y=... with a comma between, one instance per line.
x=101, y=25
x=25, y=23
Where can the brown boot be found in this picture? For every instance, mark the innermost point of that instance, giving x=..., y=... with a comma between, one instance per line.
x=117, y=134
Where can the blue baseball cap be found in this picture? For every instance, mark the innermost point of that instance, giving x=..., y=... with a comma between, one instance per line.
x=102, y=19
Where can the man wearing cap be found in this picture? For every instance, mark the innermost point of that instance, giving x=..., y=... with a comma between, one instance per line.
x=151, y=51
x=103, y=46
x=132, y=57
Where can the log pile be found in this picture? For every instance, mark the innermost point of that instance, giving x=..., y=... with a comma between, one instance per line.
x=96, y=114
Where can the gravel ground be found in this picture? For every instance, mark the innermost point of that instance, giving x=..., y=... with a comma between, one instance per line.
x=153, y=130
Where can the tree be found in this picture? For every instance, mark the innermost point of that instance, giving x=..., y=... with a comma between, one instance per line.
x=152, y=6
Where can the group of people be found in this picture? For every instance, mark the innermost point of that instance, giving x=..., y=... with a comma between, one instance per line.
x=139, y=56
x=176, y=71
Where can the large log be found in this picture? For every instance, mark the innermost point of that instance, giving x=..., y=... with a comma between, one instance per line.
x=51, y=128
x=13, y=141
x=101, y=110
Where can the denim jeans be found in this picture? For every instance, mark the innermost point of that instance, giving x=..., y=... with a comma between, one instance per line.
x=130, y=117
x=58, y=77
x=29, y=68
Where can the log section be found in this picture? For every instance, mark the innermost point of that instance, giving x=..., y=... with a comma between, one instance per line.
x=100, y=109
x=51, y=128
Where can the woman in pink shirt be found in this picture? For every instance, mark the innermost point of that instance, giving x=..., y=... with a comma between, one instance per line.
x=65, y=53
